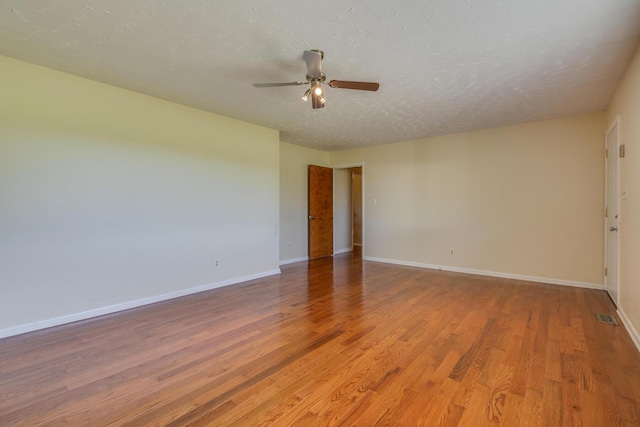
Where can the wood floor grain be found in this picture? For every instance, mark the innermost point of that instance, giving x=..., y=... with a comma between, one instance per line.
x=335, y=341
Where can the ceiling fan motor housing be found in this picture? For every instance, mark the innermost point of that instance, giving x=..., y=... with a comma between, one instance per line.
x=321, y=79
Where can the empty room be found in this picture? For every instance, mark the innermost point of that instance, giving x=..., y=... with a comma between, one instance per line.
x=344, y=213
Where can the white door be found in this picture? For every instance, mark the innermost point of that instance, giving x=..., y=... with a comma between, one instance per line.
x=611, y=213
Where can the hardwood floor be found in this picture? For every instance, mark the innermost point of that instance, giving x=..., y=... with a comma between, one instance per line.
x=334, y=342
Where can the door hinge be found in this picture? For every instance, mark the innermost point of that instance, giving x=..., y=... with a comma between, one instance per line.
x=606, y=272
x=606, y=212
x=606, y=153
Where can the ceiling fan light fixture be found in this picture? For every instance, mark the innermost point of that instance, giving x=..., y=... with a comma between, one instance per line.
x=317, y=101
x=305, y=97
x=318, y=90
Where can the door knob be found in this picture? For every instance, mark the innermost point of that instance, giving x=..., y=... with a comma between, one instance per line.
x=613, y=228
x=312, y=217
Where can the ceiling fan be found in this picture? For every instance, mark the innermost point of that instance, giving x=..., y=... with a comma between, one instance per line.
x=316, y=78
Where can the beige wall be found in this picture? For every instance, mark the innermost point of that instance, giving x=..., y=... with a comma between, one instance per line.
x=294, y=162
x=523, y=200
x=109, y=198
x=626, y=105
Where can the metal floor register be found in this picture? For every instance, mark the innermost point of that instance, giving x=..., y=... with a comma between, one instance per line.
x=605, y=318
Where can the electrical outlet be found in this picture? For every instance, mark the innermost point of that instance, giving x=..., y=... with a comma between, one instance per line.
x=217, y=264
x=451, y=251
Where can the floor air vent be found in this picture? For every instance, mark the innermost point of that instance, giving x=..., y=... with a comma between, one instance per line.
x=605, y=318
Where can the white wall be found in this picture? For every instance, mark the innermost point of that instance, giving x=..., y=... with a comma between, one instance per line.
x=626, y=104
x=342, y=211
x=109, y=198
x=294, y=163
x=520, y=201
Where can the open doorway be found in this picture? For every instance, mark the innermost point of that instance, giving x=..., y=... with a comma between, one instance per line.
x=348, y=209
x=356, y=207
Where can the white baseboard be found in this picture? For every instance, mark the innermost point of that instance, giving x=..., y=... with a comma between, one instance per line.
x=342, y=251
x=548, y=280
x=627, y=324
x=292, y=260
x=56, y=321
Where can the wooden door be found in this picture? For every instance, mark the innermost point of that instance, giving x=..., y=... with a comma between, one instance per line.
x=320, y=212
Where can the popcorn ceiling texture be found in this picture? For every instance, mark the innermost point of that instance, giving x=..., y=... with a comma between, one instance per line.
x=443, y=67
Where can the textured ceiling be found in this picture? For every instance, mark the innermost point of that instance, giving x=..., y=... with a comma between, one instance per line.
x=444, y=66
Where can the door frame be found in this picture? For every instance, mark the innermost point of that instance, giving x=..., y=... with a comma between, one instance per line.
x=615, y=125
x=349, y=166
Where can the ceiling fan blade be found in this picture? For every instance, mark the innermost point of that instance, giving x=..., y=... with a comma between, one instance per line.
x=314, y=63
x=342, y=84
x=279, y=84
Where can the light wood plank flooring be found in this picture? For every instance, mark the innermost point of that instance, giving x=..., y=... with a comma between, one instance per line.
x=334, y=342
